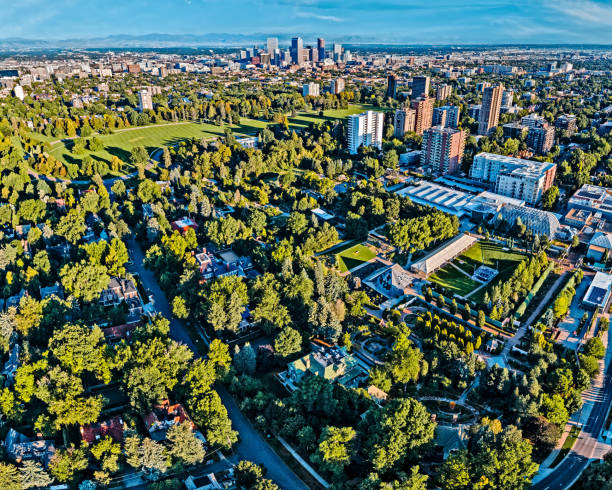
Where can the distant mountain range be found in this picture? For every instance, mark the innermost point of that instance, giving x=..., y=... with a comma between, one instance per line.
x=164, y=41
x=168, y=41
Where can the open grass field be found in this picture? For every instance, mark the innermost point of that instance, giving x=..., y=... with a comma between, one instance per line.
x=454, y=281
x=488, y=253
x=121, y=142
x=493, y=255
x=353, y=256
x=304, y=119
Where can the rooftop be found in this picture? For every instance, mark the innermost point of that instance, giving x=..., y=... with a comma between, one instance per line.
x=444, y=253
x=599, y=290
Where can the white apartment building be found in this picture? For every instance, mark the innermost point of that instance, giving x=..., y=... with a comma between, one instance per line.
x=145, y=101
x=513, y=177
x=18, y=91
x=311, y=89
x=365, y=129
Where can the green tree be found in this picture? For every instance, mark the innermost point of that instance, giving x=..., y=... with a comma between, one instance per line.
x=34, y=476
x=248, y=474
x=9, y=477
x=401, y=427
x=219, y=356
x=481, y=319
x=455, y=472
x=288, y=341
x=336, y=447
x=71, y=226
x=269, y=308
x=226, y=302
x=153, y=458
x=507, y=462
x=179, y=307
x=65, y=464
x=550, y=197
x=84, y=280
x=107, y=453
x=184, y=445
x=210, y=414
x=553, y=408
x=594, y=347
x=245, y=359
x=139, y=158
x=80, y=348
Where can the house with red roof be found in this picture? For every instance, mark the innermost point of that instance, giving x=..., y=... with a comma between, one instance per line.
x=112, y=427
x=164, y=416
x=183, y=224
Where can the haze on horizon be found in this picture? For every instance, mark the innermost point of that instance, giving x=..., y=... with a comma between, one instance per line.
x=405, y=21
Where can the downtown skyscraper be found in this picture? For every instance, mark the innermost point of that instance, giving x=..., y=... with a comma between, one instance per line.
x=297, y=50
x=321, y=48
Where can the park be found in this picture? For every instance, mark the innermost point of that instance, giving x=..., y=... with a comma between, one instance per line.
x=121, y=142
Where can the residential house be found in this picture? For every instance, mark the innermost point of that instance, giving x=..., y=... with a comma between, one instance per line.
x=11, y=365
x=378, y=395
x=118, y=332
x=20, y=448
x=22, y=230
x=183, y=224
x=212, y=481
x=13, y=301
x=164, y=416
x=112, y=427
x=122, y=290
x=202, y=482
x=61, y=251
x=147, y=211
x=225, y=264
x=55, y=290
x=333, y=363
x=247, y=321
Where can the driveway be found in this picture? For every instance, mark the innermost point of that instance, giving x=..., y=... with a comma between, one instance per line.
x=252, y=446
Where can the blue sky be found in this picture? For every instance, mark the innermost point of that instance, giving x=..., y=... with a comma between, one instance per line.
x=427, y=22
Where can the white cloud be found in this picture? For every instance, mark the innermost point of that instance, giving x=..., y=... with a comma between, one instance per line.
x=585, y=10
x=312, y=15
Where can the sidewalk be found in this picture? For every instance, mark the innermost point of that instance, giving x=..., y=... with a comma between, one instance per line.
x=304, y=464
x=589, y=397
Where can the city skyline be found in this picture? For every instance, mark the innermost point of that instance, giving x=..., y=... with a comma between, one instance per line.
x=391, y=21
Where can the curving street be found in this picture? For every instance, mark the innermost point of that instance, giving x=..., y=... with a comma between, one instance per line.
x=251, y=446
x=587, y=446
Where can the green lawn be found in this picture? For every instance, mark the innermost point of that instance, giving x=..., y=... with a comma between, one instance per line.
x=568, y=444
x=487, y=253
x=304, y=119
x=353, y=256
x=492, y=255
x=454, y=281
x=151, y=137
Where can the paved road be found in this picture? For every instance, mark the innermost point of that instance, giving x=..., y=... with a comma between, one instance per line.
x=251, y=446
x=568, y=471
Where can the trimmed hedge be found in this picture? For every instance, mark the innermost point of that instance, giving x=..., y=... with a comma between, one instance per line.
x=520, y=311
x=572, y=282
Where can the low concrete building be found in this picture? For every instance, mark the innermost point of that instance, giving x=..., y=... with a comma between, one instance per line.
x=598, y=294
x=600, y=246
x=443, y=254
